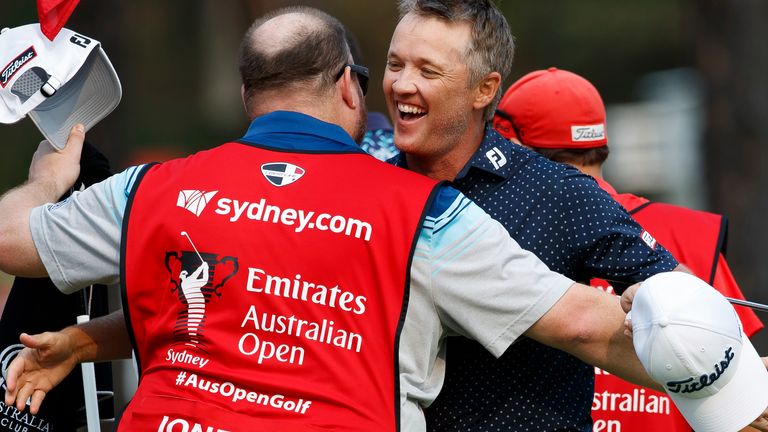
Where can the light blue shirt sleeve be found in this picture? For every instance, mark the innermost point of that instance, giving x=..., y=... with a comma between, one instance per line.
x=78, y=239
x=483, y=284
x=468, y=277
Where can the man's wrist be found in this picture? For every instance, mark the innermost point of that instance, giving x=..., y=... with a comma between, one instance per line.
x=80, y=344
x=46, y=190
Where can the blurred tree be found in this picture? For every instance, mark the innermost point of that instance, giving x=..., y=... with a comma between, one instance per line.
x=731, y=45
x=612, y=43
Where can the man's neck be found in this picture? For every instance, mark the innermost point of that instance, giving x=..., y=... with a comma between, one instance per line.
x=595, y=170
x=446, y=166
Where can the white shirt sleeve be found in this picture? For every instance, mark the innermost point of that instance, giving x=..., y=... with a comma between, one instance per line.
x=468, y=277
x=484, y=285
x=78, y=239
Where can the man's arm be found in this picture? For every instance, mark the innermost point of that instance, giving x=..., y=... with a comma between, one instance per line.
x=51, y=174
x=49, y=357
x=589, y=324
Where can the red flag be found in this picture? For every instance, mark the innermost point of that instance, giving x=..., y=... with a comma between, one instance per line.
x=54, y=14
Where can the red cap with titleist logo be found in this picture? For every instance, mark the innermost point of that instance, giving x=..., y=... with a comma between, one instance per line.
x=552, y=108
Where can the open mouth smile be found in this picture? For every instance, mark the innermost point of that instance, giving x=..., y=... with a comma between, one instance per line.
x=409, y=112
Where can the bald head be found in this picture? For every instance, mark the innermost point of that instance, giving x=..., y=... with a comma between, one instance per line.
x=293, y=51
x=284, y=32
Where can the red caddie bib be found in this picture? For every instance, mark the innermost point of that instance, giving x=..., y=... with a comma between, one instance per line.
x=266, y=290
x=696, y=239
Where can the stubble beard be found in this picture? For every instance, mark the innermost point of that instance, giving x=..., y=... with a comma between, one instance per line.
x=447, y=134
x=362, y=124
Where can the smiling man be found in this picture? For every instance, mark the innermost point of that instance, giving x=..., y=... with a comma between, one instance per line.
x=446, y=62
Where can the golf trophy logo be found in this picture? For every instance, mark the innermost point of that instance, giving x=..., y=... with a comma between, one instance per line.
x=196, y=277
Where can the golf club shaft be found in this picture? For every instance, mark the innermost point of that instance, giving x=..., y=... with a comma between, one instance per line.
x=748, y=304
x=184, y=233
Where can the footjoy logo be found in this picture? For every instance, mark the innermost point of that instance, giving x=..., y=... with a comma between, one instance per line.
x=194, y=201
x=181, y=425
x=281, y=173
x=496, y=157
x=15, y=65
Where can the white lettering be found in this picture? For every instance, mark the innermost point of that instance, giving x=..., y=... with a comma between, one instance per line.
x=304, y=219
x=223, y=207
x=299, y=219
x=337, y=224
x=606, y=426
x=250, y=345
x=185, y=357
x=259, y=207
x=185, y=426
x=228, y=389
x=320, y=223
x=637, y=401
x=252, y=277
x=261, y=282
x=183, y=423
x=288, y=217
x=239, y=210
x=15, y=65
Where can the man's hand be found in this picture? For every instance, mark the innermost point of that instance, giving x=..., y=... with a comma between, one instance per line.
x=47, y=359
x=58, y=169
x=628, y=297
x=626, y=304
x=760, y=424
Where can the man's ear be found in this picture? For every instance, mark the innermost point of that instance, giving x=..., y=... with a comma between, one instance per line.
x=349, y=89
x=242, y=98
x=486, y=90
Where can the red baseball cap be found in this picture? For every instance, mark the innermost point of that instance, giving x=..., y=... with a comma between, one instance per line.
x=552, y=108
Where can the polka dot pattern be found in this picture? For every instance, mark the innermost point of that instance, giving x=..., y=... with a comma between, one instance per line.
x=577, y=229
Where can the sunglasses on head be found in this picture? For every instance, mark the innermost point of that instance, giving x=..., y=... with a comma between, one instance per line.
x=362, y=75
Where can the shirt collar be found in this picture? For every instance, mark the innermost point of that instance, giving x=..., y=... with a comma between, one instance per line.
x=497, y=156
x=288, y=130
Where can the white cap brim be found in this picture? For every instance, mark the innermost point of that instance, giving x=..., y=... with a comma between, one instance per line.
x=87, y=98
x=737, y=404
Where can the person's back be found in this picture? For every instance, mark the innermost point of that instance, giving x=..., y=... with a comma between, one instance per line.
x=561, y=115
x=308, y=273
x=307, y=284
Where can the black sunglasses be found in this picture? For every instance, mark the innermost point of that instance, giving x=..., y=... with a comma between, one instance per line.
x=362, y=75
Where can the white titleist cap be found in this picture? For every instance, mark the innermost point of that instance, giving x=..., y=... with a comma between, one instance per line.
x=57, y=83
x=689, y=339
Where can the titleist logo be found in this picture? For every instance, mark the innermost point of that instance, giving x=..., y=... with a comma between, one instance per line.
x=588, y=133
x=690, y=385
x=10, y=70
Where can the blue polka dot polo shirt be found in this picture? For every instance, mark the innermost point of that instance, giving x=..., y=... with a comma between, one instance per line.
x=578, y=230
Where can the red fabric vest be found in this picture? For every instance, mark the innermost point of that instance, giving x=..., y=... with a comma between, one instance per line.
x=294, y=324
x=696, y=239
